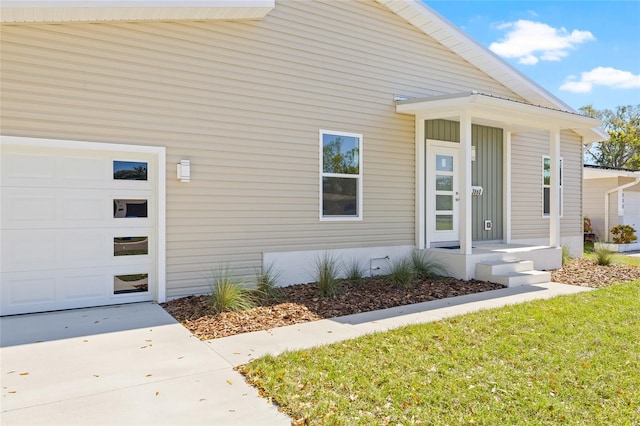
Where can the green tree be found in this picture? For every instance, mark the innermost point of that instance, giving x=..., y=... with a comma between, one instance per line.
x=623, y=147
x=338, y=160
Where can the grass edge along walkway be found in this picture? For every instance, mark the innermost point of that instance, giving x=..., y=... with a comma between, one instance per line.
x=568, y=360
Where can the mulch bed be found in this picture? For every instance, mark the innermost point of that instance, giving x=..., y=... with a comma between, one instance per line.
x=302, y=303
x=585, y=273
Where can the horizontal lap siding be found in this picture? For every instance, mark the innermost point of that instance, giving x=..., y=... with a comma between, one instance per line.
x=244, y=102
x=526, y=185
x=593, y=199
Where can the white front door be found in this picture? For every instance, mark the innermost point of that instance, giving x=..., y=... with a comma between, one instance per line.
x=79, y=228
x=443, y=197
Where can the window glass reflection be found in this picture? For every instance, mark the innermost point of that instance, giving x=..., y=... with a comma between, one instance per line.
x=339, y=196
x=130, y=170
x=444, y=222
x=134, y=283
x=340, y=154
x=129, y=208
x=444, y=183
x=130, y=246
x=444, y=163
x=444, y=202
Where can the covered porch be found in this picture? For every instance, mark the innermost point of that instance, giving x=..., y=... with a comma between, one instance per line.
x=463, y=252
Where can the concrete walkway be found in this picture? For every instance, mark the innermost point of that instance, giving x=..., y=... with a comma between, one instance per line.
x=134, y=364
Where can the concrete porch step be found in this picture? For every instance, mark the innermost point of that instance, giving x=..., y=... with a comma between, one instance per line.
x=499, y=267
x=513, y=273
x=517, y=279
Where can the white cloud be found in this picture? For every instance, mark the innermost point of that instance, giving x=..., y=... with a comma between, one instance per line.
x=601, y=76
x=530, y=42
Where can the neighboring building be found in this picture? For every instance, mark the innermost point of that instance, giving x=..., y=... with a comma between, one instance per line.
x=297, y=127
x=611, y=196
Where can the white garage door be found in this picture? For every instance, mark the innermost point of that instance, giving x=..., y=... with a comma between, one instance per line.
x=79, y=228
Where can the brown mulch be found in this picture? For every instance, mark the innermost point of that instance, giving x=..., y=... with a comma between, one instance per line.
x=585, y=273
x=302, y=303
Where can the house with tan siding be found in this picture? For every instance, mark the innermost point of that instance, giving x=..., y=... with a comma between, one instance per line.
x=144, y=147
x=611, y=197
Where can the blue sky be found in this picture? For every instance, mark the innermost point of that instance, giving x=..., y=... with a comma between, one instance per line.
x=584, y=52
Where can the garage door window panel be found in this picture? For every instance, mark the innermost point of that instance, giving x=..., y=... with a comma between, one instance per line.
x=130, y=283
x=129, y=170
x=130, y=208
x=130, y=246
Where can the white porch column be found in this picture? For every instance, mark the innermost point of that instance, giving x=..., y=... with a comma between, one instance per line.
x=465, y=184
x=554, y=188
x=421, y=225
x=506, y=186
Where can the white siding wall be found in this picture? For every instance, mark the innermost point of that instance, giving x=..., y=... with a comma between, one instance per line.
x=244, y=102
x=594, y=196
x=594, y=193
x=527, y=152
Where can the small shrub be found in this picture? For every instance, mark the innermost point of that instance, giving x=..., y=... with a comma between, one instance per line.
x=267, y=284
x=400, y=272
x=424, y=267
x=566, y=254
x=604, y=257
x=229, y=294
x=623, y=234
x=354, y=271
x=327, y=272
x=589, y=246
x=586, y=225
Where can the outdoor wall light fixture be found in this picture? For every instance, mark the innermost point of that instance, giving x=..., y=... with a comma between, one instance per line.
x=184, y=171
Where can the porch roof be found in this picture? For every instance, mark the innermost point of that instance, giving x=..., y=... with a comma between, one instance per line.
x=501, y=112
x=597, y=172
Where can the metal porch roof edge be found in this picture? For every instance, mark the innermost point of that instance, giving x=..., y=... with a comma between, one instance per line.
x=511, y=112
x=594, y=172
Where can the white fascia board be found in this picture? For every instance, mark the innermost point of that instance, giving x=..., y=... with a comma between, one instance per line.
x=593, y=173
x=55, y=11
x=436, y=26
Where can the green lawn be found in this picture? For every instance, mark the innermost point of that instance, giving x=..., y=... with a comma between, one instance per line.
x=618, y=258
x=569, y=360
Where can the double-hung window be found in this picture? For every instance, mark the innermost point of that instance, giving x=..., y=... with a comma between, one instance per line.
x=340, y=176
x=546, y=185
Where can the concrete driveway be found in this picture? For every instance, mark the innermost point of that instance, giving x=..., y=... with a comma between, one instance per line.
x=128, y=364
x=134, y=364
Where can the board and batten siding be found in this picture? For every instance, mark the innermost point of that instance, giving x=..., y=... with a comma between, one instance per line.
x=486, y=171
x=243, y=101
x=527, y=151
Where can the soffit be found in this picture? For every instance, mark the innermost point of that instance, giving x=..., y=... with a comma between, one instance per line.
x=57, y=11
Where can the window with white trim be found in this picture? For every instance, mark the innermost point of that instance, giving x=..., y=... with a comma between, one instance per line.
x=340, y=175
x=546, y=186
